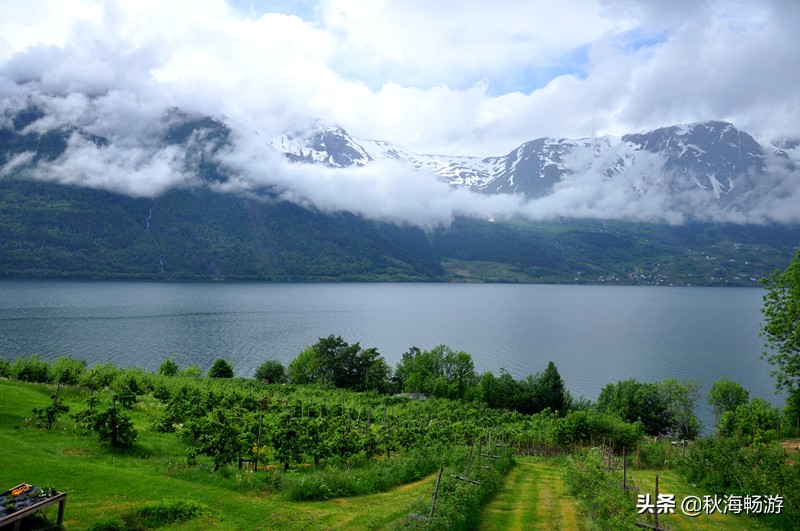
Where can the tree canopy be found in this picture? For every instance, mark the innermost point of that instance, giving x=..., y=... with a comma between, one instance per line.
x=781, y=326
x=332, y=361
x=221, y=368
x=726, y=395
x=440, y=372
x=272, y=370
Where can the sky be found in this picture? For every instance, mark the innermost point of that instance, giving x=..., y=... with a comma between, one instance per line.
x=468, y=78
x=477, y=79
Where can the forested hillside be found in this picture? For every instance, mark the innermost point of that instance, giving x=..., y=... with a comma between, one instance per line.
x=52, y=230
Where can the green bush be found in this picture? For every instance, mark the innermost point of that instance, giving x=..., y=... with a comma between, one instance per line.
x=115, y=427
x=153, y=516
x=724, y=467
x=100, y=376
x=192, y=371
x=655, y=455
x=459, y=502
x=221, y=369
x=68, y=371
x=31, y=369
x=272, y=370
x=166, y=512
x=588, y=479
x=5, y=368
x=369, y=477
x=589, y=426
x=46, y=416
x=753, y=423
x=168, y=368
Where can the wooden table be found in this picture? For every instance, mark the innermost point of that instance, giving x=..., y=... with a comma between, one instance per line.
x=17, y=516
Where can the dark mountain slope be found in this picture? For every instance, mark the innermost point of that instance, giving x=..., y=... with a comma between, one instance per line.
x=51, y=230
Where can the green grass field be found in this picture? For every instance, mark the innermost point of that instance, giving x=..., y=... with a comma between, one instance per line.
x=102, y=483
x=106, y=485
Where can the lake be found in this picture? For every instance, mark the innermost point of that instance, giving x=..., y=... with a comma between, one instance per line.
x=594, y=334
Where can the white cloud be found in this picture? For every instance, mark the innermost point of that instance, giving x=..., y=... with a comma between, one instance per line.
x=135, y=171
x=427, y=76
x=423, y=43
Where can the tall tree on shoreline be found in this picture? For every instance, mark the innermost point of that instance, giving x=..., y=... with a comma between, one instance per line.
x=781, y=326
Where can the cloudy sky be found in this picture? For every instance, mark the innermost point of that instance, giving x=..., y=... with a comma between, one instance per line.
x=477, y=79
x=454, y=78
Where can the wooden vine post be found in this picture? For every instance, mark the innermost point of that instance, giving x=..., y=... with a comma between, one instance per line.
x=436, y=492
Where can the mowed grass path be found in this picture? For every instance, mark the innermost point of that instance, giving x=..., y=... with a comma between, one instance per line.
x=534, y=497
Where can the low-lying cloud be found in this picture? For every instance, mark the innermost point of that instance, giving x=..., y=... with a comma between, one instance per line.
x=107, y=74
x=117, y=143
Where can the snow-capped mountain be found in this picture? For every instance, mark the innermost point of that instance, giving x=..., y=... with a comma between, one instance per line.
x=702, y=171
x=713, y=156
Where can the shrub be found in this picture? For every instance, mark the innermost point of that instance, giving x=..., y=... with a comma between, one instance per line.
x=168, y=368
x=115, y=427
x=373, y=477
x=192, y=371
x=458, y=505
x=221, y=369
x=31, y=369
x=152, y=516
x=101, y=375
x=165, y=513
x=587, y=478
x=753, y=423
x=722, y=466
x=68, y=371
x=272, y=370
x=46, y=416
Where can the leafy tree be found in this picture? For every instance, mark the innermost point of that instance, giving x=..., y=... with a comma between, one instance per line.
x=47, y=415
x=114, y=426
x=100, y=375
x=31, y=369
x=221, y=368
x=272, y=370
x=438, y=372
x=402, y=371
x=288, y=439
x=681, y=400
x=344, y=442
x=217, y=437
x=781, y=326
x=377, y=376
x=303, y=369
x=726, y=395
x=549, y=390
x=128, y=385
x=168, y=368
x=85, y=418
x=459, y=372
x=68, y=371
x=753, y=423
x=332, y=361
x=192, y=371
x=635, y=401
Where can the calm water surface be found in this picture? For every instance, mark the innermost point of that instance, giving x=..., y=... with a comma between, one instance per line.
x=594, y=334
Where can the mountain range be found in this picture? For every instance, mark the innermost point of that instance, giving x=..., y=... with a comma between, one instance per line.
x=711, y=158
x=80, y=199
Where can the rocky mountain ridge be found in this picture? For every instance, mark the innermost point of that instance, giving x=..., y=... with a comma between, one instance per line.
x=711, y=157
